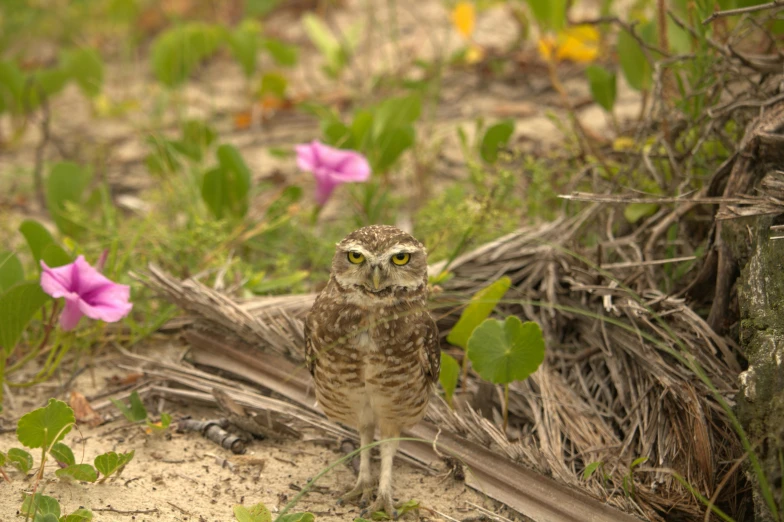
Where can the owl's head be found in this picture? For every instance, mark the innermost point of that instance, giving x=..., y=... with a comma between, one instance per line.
x=380, y=260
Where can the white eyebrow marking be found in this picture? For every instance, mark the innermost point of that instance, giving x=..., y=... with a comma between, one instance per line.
x=353, y=246
x=399, y=249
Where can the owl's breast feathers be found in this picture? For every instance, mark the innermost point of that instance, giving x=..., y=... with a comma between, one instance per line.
x=390, y=352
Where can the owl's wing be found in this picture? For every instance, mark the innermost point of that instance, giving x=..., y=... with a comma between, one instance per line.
x=432, y=349
x=311, y=352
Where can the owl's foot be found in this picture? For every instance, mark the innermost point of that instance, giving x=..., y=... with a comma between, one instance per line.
x=363, y=491
x=383, y=503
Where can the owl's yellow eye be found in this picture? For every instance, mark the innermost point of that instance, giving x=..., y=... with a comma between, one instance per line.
x=401, y=258
x=355, y=257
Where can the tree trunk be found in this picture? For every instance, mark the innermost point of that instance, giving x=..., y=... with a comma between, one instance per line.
x=761, y=401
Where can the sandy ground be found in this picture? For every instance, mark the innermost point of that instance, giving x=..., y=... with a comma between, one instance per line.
x=178, y=477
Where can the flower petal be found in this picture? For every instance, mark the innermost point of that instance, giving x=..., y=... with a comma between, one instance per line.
x=354, y=167
x=331, y=167
x=87, y=280
x=306, y=156
x=57, y=282
x=105, y=300
x=111, y=310
x=330, y=157
x=71, y=314
x=464, y=18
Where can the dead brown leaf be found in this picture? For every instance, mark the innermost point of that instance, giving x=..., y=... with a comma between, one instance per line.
x=83, y=412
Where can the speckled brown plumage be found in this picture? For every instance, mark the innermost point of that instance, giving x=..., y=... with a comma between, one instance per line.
x=372, y=346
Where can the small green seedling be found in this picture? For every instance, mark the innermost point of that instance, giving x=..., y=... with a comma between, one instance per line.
x=70, y=469
x=160, y=426
x=136, y=413
x=256, y=513
x=592, y=468
x=505, y=351
x=111, y=463
x=260, y=513
x=44, y=428
x=406, y=507
x=628, y=480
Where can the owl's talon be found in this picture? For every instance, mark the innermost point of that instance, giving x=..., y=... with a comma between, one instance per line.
x=382, y=503
x=361, y=490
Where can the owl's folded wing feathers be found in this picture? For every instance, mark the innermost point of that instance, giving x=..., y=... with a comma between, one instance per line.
x=310, y=350
x=432, y=349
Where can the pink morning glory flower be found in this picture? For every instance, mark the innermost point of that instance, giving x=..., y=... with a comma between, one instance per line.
x=86, y=292
x=331, y=167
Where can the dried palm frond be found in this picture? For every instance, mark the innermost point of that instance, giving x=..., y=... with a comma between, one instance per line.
x=611, y=390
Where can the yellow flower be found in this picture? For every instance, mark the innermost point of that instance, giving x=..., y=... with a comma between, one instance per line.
x=579, y=44
x=474, y=54
x=464, y=18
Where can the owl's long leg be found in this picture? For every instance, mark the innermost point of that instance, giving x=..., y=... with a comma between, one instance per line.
x=384, y=494
x=364, y=486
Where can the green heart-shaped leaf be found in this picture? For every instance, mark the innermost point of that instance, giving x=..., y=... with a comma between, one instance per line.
x=42, y=427
x=20, y=459
x=40, y=505
x=505, y=351
x=63, y=454
x=80, y=472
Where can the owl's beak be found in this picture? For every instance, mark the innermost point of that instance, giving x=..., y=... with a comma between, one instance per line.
x=376, y=276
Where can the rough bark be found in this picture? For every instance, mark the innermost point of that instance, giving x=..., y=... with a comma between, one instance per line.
x=749, y=273
x=761, y=401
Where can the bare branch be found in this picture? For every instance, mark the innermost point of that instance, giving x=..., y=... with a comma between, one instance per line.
x=776, y=4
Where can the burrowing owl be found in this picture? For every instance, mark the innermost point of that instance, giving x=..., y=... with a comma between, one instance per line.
x=372, y=346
